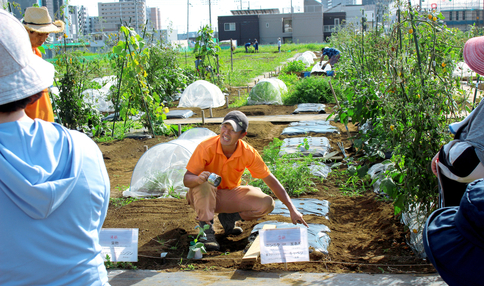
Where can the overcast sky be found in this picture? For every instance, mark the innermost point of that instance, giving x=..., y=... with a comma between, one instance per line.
x=175, y=11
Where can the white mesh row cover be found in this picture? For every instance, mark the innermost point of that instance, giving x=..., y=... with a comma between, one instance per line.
x=267, y=91
x=313, y=55
x=98, y=98
x=161, y=169
x=306, y=59
x=202, y=94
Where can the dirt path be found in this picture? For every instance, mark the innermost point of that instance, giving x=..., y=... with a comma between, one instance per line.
x=365, y=236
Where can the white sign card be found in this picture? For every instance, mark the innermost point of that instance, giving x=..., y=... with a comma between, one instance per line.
x=283, y=245
x=121, y=244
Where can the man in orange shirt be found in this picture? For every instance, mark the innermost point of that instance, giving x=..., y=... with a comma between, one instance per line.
x=39, y=24
x=228, y=156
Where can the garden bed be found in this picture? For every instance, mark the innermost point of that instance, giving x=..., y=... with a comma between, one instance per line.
x=365, y=235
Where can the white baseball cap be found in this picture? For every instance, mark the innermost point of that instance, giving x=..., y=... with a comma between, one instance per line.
x=22, y=73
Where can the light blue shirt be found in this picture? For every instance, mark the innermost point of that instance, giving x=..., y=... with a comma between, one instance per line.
x=54, y=195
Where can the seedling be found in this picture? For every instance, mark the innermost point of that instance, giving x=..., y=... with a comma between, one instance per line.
x=196, y=245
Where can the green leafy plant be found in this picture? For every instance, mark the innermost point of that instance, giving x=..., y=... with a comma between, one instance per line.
x=291, y=170
x=294, y=66
x=313, y=89
x=196, y=245
x=400, y=83
x=122, y=265
x=207, y=49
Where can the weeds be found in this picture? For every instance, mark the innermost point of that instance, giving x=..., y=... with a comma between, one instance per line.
x=120, y=265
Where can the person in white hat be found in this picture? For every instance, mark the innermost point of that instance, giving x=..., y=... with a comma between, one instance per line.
x=39, y=24
x=54, y=187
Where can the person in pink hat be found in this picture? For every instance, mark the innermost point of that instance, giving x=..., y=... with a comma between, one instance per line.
x=460, y=161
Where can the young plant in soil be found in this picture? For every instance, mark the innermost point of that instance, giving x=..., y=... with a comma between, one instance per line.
x=196, y=245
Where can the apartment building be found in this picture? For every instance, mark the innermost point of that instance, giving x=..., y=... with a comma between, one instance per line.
x=111, y=14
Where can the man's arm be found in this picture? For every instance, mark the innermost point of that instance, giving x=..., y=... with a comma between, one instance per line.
x=191, y=180
x=278, y=190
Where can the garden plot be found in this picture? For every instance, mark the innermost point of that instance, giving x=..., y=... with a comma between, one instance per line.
x=305, y=127
x=318, y=146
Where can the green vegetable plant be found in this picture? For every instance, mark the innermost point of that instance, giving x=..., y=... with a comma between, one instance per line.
x=314, y=89
x=400, y=82
x=291, y=170
x=195, y=244
x=294, y=66
x=208, y=50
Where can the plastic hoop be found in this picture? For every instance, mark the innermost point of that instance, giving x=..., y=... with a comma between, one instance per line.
x=434, y=6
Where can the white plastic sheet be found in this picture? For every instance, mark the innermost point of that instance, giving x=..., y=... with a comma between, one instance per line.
x=202, y=94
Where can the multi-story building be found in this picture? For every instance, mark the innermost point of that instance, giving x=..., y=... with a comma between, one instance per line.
x=113, y=14
x=153, y=15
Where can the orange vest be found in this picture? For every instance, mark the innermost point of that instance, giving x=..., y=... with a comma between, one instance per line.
x=42, y=108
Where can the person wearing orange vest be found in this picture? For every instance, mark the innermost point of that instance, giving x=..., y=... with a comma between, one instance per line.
x=39, y=24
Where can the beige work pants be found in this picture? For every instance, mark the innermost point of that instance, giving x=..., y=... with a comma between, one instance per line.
x=250, y=202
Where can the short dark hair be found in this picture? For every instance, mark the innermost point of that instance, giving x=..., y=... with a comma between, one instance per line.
x=16, y=105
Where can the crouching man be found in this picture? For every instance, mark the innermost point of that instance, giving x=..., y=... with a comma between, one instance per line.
x=227, y=156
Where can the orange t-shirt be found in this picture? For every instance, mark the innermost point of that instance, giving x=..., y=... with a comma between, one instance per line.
x=42, y=108
x=208, y=156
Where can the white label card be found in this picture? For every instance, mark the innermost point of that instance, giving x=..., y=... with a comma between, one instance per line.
x=121, y=244
x=283, y=245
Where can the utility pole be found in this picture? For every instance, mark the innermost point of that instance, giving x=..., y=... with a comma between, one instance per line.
x=210, y=12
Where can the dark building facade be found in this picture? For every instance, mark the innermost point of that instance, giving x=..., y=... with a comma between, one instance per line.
x=242, y=28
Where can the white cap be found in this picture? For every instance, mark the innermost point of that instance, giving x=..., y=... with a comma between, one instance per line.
x=22, y=73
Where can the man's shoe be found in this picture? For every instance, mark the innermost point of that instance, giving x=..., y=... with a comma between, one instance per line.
x=228, y=222
x=210, y=242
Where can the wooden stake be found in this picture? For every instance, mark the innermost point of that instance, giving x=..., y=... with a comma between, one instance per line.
x=227, y=100
x=179, y=130
x=211, y=114
x=203, y=116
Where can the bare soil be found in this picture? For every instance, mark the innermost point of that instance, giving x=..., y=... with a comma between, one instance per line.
x=365, y=234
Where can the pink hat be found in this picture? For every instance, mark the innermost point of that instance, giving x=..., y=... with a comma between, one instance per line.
x=474, y=54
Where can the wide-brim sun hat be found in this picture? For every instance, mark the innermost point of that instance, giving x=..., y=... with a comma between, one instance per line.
x=37, y=19
x=474, y=54
x=453, y=238
x=22, y=73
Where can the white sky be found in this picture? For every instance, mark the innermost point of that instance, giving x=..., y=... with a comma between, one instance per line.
x=175, y=11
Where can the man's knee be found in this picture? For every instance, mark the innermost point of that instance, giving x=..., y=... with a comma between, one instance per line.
x=268, y=205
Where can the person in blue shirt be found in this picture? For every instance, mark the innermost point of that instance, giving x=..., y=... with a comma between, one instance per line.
x=256, y=46
x=333, y=56
x=247, y=45
x=54, y=187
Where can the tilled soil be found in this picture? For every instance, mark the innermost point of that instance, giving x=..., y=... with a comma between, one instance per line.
x=365, y=235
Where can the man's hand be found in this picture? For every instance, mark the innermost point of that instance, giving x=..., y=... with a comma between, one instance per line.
x=191, y=180
x=297, y=217
x=203, y=177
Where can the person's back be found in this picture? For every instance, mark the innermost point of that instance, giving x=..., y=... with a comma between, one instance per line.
x=54, y=187
x=53, y=201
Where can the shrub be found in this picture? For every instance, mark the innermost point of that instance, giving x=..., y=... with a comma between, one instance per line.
x=312, y=89
x=294, y=66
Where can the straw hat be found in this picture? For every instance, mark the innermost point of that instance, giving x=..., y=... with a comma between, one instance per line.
x=453, y=238
x=474, y=54
x=22, y=73
x=37, y=19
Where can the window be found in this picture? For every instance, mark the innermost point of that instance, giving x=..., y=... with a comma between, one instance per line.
x=336, y=21
x=287, y=26
x=463, y=15
x=450, y=15
x=229, y=26
x=457, y=15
